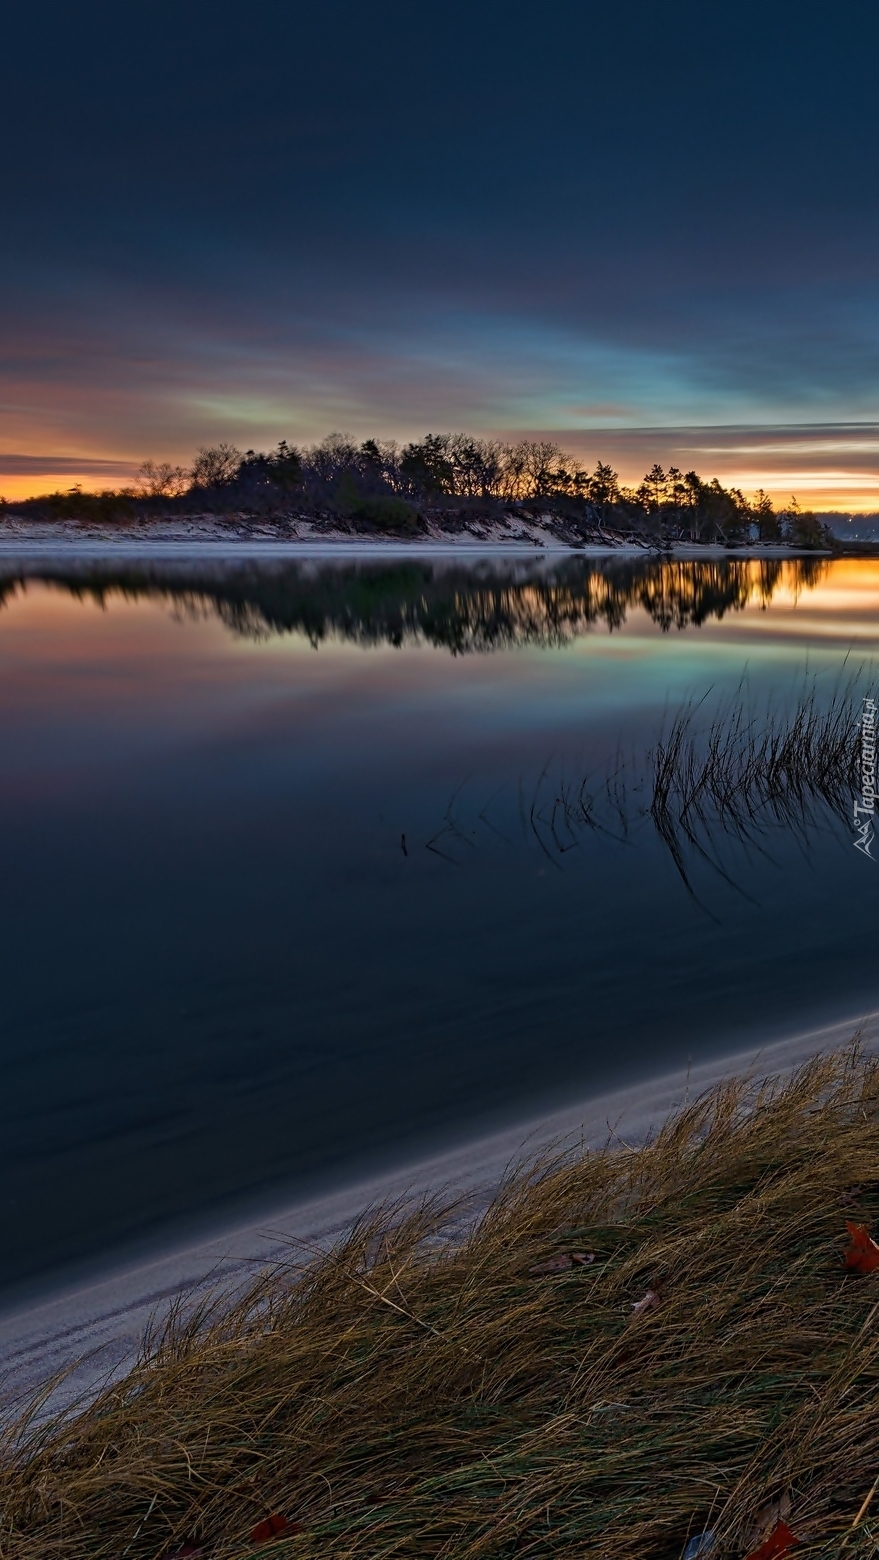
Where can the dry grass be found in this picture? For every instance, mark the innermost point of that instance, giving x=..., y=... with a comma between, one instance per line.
x=407, y=1398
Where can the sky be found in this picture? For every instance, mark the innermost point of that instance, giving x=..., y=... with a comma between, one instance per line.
x=650, y=231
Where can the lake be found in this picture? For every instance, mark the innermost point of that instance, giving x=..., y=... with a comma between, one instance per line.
x=289, y=894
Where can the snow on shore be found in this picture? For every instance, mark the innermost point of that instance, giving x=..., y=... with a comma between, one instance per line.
x=94, y=1331
x=207, y=536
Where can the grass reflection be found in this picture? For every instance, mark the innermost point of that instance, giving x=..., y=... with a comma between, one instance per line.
x=737, y=778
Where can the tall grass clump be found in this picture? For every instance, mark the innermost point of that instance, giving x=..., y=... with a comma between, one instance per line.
x=629, y=1347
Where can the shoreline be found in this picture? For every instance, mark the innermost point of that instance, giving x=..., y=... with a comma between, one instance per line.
x=256, y=548
x=93, y=1331
x=251, y=537
x=246, y=547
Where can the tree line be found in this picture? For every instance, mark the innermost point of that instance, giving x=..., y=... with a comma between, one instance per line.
x=380, y=484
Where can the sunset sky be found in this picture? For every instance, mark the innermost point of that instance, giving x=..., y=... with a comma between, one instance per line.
x=649, y=230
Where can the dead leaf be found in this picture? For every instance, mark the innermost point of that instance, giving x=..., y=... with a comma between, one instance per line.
x=862, y=1255
x=780, y=1540
x=563, y=1261
x=649, y=1302
x=766, y=1519
x=850, y=1196
x=273, y=1527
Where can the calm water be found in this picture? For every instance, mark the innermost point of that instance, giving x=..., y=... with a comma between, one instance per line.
x=226, y=981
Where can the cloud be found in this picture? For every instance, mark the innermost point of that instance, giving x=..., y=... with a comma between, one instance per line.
x=43, y=466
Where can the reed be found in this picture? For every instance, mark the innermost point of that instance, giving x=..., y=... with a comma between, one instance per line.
x=742, y=777
x=745, y=776
x=411, y=1395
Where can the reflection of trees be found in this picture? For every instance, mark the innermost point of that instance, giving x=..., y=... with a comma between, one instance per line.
x=474, y=606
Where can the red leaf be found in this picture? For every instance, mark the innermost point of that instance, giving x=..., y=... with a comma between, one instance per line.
x=863, y=1253
x=270, y=1528
x=780, y=1540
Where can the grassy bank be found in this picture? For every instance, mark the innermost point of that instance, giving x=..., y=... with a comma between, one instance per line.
x=519, y=1393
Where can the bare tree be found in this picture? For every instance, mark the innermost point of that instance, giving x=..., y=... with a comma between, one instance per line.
x=541, y=463
x=215, y=465
x=513, y=478
x=538, y=468
x=159, y=479
x=326, y=461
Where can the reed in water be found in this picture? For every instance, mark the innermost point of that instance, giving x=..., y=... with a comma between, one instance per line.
x=740, y=775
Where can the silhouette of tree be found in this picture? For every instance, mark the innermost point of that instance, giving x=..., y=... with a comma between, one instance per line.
x=426, y=466
x=159, y=479
x=654, y=487
x=215, y=465
x=768, y=524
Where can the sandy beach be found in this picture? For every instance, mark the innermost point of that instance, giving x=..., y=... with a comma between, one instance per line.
x=208, y=538
x=92, y=1333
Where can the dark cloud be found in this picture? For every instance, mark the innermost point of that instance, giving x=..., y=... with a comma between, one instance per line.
x=12, y=465
x=236, y=220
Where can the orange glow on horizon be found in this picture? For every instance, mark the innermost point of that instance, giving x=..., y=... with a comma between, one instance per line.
x=849, y=492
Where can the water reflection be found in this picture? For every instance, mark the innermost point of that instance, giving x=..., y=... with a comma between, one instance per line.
x=477, y=605
x=717, y=785
x=226, y=985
